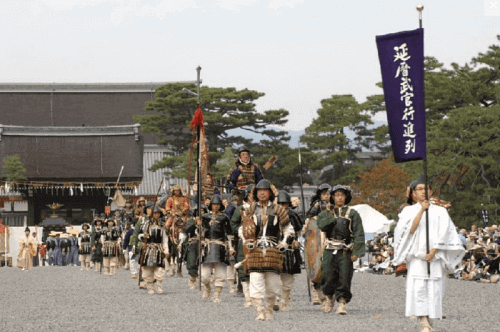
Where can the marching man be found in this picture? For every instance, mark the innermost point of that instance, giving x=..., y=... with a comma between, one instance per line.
x=344, y=244
x=84, y=247
x=151, y=240
x=215, y=227
x=424, y=292
x=263, y=224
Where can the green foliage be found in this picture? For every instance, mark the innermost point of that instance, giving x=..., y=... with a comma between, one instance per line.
x=223, y=109
x=327, y=143
x=13, y=169
x=223, y=164
x=464, y=150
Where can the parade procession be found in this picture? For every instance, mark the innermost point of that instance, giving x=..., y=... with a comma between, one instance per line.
x=331, y=168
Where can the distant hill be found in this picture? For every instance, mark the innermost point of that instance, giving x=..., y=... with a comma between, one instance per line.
x=294, y=134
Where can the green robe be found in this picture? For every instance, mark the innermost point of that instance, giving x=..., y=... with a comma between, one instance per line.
x=337, y=268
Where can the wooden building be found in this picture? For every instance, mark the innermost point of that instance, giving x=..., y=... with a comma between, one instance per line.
x=73, y=140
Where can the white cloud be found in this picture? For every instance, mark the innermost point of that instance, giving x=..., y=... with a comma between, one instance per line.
x=235, y=5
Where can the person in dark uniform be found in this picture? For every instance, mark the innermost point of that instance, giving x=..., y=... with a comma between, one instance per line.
x=235, y=223
x=292, y=258
x=111, y=243
x=215, y=229
x=84, y=247
x=344, y=244
x=189, y=240
x=319, y=202
x=65, y=245
x=150, y=240
x=95, y=242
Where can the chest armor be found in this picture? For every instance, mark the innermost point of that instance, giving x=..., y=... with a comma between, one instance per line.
x=111, y=234
x=214, y=226
x=246, y=176
x=178, y=204
x=97, y=234
x=85, y=237
x=341, y=228
x=273, y=226
x=155, y=233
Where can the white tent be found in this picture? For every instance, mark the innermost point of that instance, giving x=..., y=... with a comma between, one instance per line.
x=373, y=221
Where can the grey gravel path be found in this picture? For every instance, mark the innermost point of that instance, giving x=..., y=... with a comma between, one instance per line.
x=67, y=299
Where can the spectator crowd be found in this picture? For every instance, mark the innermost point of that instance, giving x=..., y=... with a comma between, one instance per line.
x=480, y=263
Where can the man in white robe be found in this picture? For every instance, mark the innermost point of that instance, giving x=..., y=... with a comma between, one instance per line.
x=424, y=292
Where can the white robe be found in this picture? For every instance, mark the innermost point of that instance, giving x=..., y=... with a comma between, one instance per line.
x=424, y=293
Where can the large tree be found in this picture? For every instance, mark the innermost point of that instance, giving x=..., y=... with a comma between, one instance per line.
x=330, y=150
x=463, y=151
x=223, y=108
x=383, y=187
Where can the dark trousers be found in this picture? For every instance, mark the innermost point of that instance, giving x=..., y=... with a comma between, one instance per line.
x=239, y=257
x=336, y=274
x=192, y=259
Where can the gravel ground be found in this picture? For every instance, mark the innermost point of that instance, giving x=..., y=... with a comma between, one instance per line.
x=67, y=299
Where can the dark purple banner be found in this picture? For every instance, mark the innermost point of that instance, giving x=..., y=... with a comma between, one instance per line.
x=401, y=58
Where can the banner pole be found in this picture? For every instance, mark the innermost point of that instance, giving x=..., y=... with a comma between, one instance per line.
x=420, y=8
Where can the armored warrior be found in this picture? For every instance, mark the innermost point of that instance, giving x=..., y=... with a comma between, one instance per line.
x=244, y=171
x=292, y=258
x=319, y=202
x=235, y=223
x=140, y=207
x=263, y=224
x=127, y=246
x=51, y=245
x=215, y=229
x=111, y=246
x=118, y=219
x=177, y=212
x=84, y=247
x=208, y=189
x=95, y=242
x=129, y=211
x=188, y=239
x=344, y=244
x=150, y=240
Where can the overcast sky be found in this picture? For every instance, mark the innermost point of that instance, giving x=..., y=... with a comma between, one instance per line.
x=295, y=51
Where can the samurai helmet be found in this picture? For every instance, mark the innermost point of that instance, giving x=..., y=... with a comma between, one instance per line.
x=216, y=199
x=263, y=184
x=141, y=199
x=156, y=209
x=317, y=195
x=284, y=197
x=242, y=148
x=150, y=204
x=86, y=225
x=174, y=188
x=347, y=191
x=248, y=189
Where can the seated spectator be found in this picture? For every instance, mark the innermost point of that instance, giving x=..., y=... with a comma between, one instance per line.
x=491, y=268
x=471, y=240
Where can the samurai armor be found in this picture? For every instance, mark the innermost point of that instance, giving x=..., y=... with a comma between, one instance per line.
x=272, y=261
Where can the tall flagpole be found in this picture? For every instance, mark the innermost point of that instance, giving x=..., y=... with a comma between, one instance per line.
x=303, y=211
x=198, y=131
x=420, y=8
